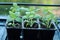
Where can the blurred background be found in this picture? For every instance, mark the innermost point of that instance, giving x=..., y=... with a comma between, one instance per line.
x=4, y=9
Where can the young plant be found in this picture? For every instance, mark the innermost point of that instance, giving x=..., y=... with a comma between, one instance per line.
x=14, y=15
x=31, y=16
x=47, y=18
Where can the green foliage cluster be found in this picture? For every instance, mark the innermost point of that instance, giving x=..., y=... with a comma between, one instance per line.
x=30, y=14
x=48, y=18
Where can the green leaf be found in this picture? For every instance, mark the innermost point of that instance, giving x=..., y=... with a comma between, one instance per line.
x=24, y=17
x=18, y=19
x=17, y=14
x=31, y=16
x=37, y=16
x=12, y=15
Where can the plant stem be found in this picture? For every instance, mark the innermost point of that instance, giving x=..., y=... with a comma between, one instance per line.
x=31, y=22
x=50, y=25
x=13, y=24
x=47, y=23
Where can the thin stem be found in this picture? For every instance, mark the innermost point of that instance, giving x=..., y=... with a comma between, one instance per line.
x=31, y=22
x=13, y=24
x=50, y=25
x=47, y=23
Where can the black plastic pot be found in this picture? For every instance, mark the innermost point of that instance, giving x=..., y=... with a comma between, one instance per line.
x=39, y=33
x=30, y=33
x=13, y=33
x=46, y=34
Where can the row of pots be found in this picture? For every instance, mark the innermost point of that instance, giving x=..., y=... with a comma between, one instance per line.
x=30, y=33
x=30, y=26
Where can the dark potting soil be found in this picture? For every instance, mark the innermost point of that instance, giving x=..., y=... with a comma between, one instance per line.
x=43, y=26
x=17, y=24
x=35, y=25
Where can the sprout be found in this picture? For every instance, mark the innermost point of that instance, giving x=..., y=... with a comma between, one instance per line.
x=30, y=15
